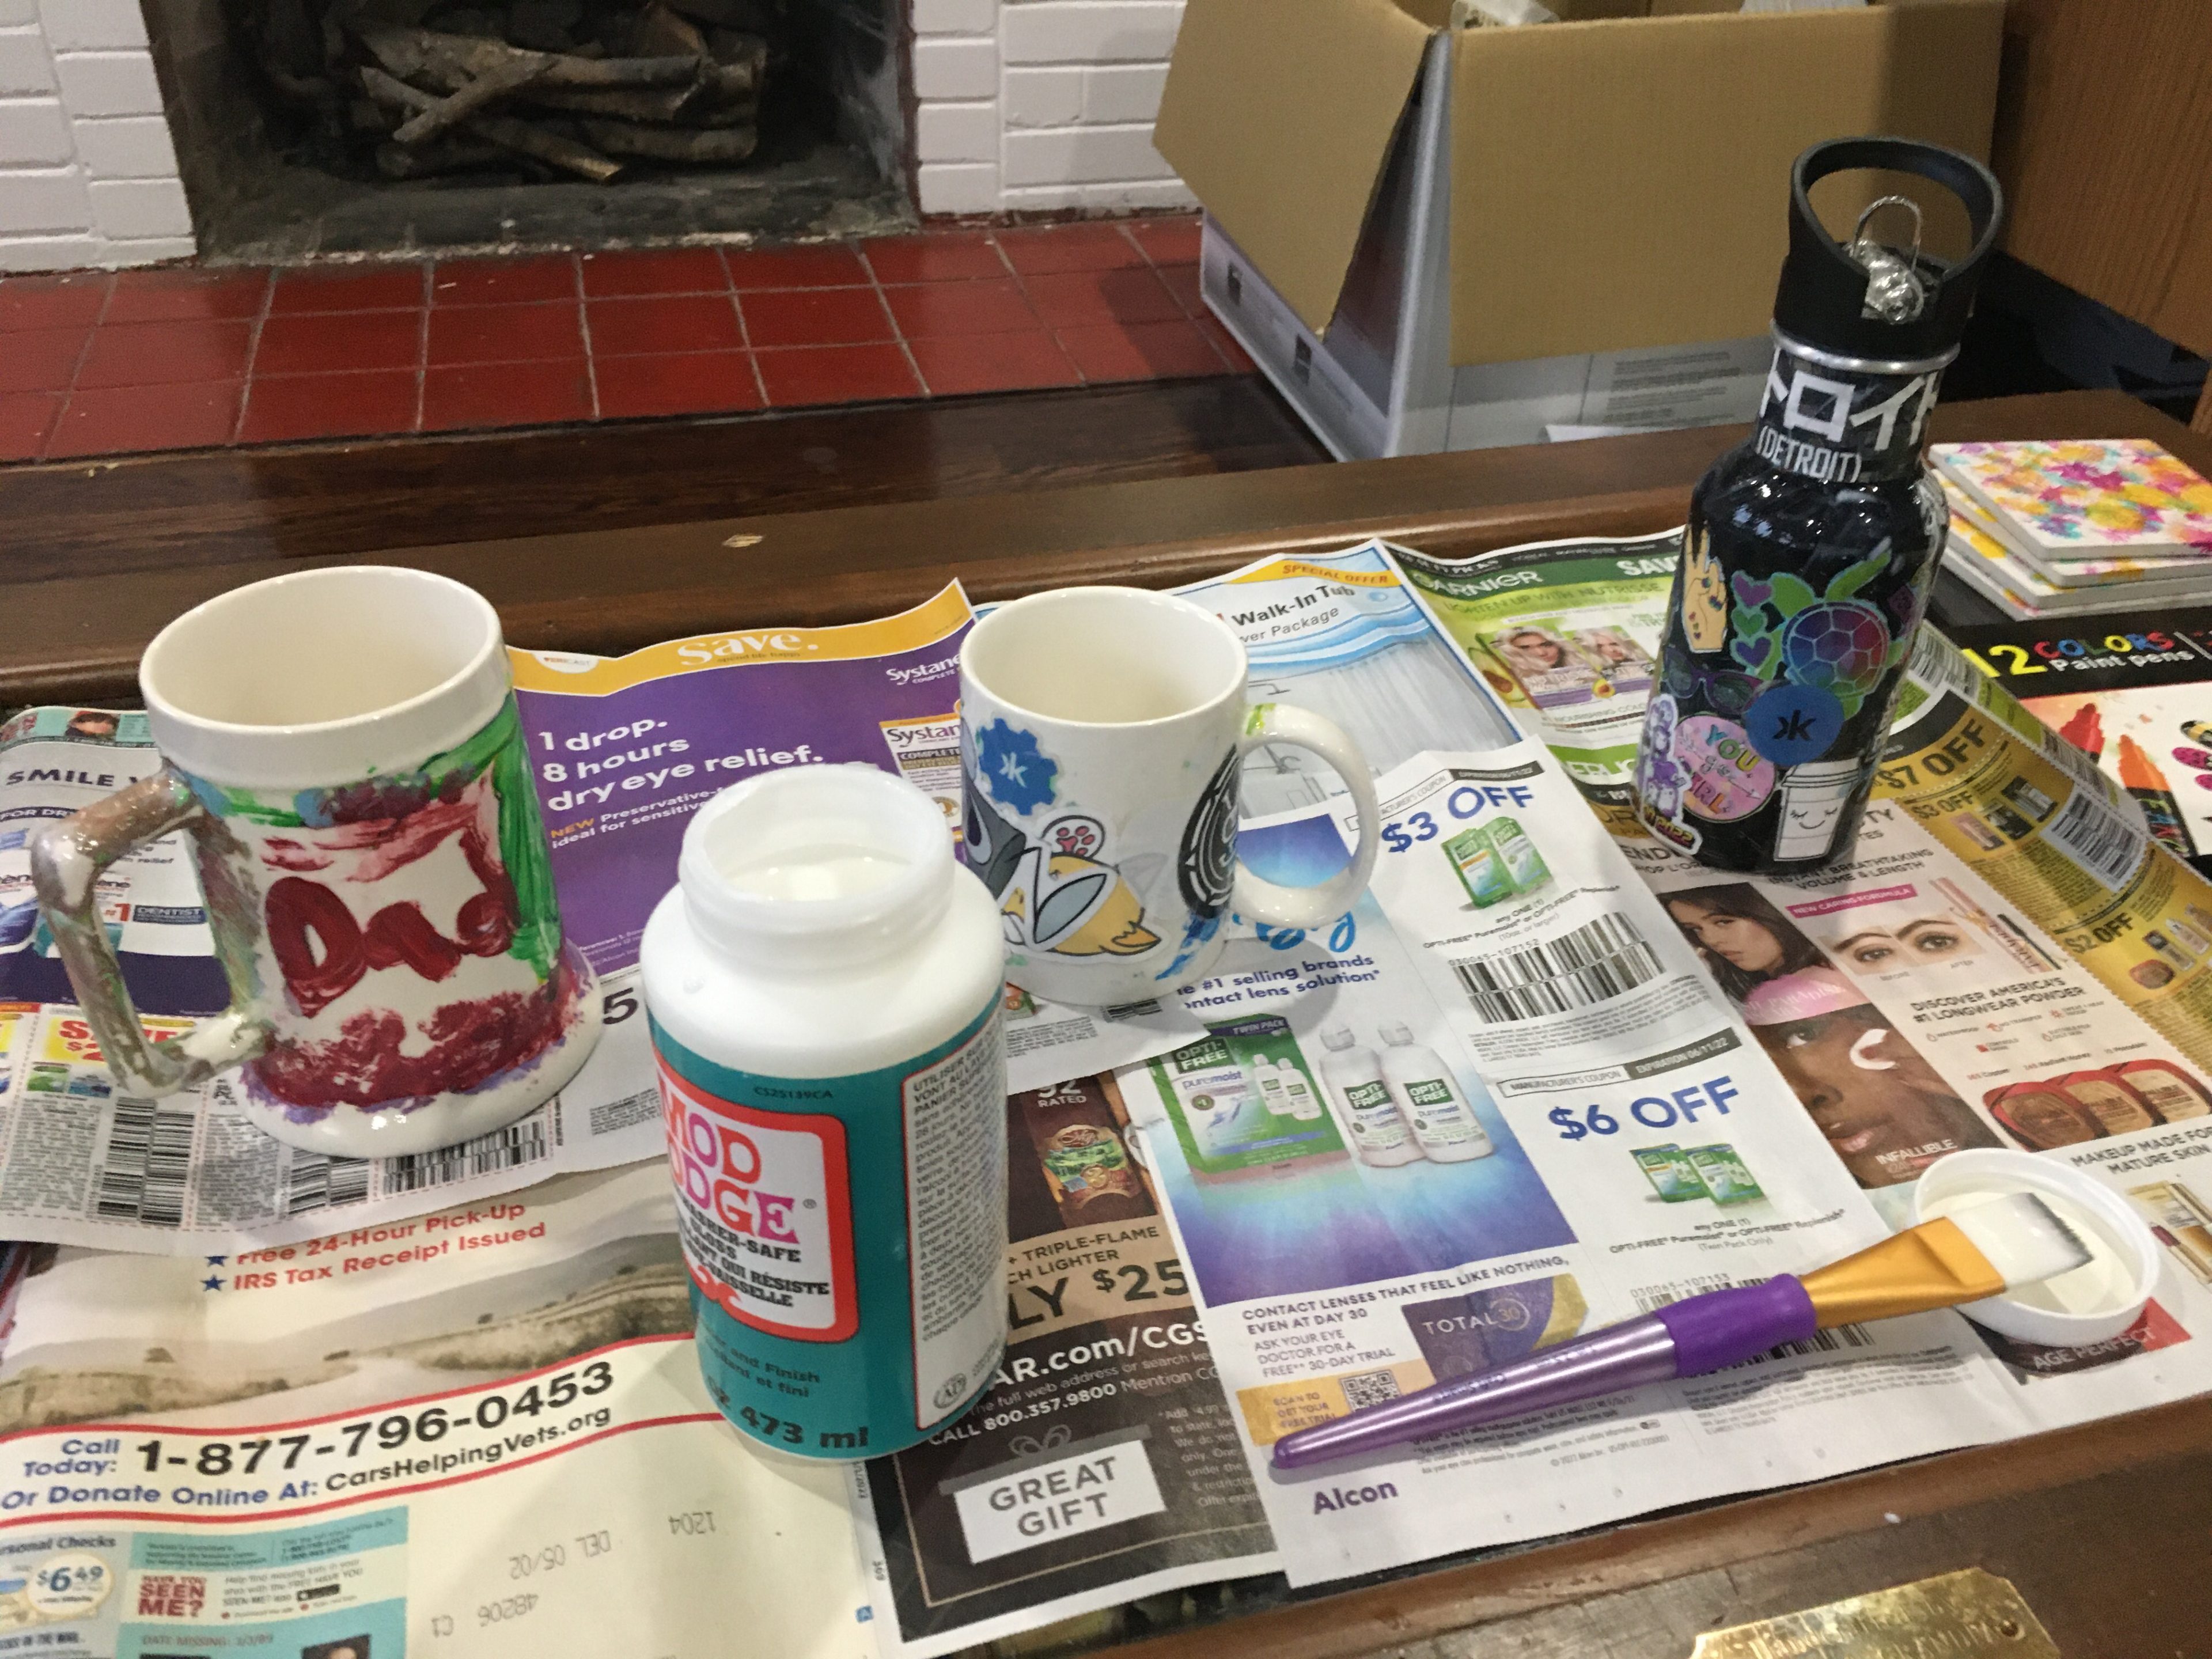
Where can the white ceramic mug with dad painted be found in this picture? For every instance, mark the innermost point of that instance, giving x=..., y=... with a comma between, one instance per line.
x=1104, y=731
x=341, y=749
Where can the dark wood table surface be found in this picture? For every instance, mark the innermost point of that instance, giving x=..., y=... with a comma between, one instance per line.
x=607, y=541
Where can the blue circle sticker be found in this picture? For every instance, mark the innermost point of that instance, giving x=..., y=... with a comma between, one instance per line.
x=1791, y=724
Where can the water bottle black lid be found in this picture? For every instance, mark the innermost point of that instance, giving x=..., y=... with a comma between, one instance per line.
x=1822, y=299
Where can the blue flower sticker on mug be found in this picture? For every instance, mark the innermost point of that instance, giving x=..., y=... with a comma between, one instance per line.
x=1015, y=771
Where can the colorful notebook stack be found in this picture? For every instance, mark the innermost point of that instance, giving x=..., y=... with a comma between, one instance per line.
x=2076, y=527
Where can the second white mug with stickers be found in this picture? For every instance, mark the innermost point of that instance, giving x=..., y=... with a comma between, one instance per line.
x=1102, y=733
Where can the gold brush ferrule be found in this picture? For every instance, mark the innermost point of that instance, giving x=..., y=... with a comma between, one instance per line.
x=1931, y=1266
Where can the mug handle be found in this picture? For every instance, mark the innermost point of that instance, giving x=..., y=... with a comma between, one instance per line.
x=66, y=864
x=1311, y=908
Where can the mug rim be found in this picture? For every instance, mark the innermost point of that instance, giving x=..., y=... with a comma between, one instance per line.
x=1084, y=592
x=157, y=703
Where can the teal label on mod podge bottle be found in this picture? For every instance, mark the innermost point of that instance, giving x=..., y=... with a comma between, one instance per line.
x=845, y=1238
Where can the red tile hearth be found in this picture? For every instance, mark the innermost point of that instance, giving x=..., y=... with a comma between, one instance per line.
x=193, y=357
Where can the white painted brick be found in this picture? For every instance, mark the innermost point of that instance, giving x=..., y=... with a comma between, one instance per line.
x=34, y=133
x=108, y=83
x=50, y=252
x=95, y=25
x=1037, y=198
x=1042, y=97
x=956, y=16
x=49, y=201
x=148, y=251
x=1090, y=31
x=1125, y=92
x=1082, y=155
x=24, y=65
x=956, y=68
x=126, y=147
x=956, y=132
x=14, y=12
x=127, y=207
x=1146, y=193
x=958, y=188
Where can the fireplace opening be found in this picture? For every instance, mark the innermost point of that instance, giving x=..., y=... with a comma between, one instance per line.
x=335, y=127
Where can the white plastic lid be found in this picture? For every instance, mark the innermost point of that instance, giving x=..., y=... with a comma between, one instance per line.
x=2127, y=1256
x=1337, y=1036
x=1397, y=1036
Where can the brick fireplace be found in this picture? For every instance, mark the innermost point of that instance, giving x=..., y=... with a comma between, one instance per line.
x=998, y=107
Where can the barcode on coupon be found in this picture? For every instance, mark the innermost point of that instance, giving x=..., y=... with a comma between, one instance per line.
x=502, y=1149
x=314, y=1181
x=1829, y=1341
x=1940, y=666
x=143, y=1167
x=1593, y=963
x=1366, y=1388
x=2103, y=843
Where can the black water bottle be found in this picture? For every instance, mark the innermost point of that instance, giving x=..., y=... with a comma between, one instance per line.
x=1811, y=548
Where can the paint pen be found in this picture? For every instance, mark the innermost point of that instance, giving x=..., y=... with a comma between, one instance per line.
x=2140, y=777
x=2086, y=731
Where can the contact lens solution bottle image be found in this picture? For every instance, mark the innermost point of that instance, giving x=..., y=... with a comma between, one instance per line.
x=1811, y=548
x=824, y=989
x=1442, y=1121
x=1365, y=1106
x=1268, y=1086
x=1298, y=1093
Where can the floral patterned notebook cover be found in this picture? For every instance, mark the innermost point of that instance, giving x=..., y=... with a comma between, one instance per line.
x=2081, y=566
x=2072, y=499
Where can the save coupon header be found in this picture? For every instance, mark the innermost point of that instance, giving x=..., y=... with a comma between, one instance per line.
x=578, y=675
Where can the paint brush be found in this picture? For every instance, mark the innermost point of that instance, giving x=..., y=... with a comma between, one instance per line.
x=1984, y=1250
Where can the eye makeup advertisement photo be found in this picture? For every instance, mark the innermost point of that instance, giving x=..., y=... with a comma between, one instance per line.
x=1914, y=1015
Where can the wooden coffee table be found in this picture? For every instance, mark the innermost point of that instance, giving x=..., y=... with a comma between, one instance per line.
x=2101, y=1527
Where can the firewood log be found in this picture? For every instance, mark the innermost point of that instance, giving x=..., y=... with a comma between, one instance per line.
x=504, y=131
x=737, y=72
x=624, y=102
x=487, y=88
x=425, y=54
x=661, y=32
x=673, y=143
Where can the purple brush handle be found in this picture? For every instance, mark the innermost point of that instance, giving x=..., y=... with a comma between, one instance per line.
x=1726, y=1327
x=1689, y=1337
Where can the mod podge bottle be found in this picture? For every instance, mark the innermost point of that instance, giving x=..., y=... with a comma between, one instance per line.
x=1811, y=547
x=824, y=985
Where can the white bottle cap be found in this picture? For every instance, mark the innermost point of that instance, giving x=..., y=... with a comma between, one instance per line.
x=889, y=837
x=1337, y=1036
x=2128, y=1254
x=1397, y=1036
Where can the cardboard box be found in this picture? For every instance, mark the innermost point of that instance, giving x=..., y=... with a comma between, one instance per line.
x=1437, y=238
